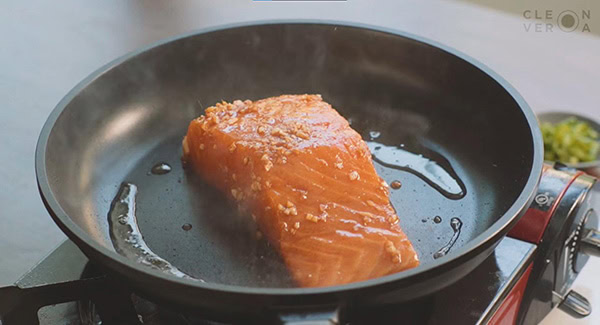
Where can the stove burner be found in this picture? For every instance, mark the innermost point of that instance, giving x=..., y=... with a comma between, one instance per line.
x=147, y=312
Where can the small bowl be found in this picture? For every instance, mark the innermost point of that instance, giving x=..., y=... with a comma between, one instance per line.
x=590, y=167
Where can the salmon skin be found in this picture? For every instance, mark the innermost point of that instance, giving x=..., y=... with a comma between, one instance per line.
x=307, y=179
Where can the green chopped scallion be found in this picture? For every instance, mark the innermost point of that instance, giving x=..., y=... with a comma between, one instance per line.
x=571, y=141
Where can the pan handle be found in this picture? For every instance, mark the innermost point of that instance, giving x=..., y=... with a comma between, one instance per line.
x=311, y=317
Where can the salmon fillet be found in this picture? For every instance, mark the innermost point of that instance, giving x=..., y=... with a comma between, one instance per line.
x=307, y=179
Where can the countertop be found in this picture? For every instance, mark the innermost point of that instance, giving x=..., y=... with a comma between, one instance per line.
x=49, y=46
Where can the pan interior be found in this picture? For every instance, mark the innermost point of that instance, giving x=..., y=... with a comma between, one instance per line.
x=431, y=102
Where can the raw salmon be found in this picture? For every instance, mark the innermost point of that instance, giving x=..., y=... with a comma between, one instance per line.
x=307, y=179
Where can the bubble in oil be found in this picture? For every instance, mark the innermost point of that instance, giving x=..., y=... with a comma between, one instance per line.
x=122, y=219
x=396, y=185
x=160, y=168
x=186, y=227
x=374, y=134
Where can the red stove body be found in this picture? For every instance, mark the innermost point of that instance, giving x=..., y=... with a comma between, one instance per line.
x=561, y=222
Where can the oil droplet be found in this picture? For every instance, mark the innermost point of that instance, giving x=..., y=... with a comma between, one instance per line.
x=396, y=185
x=126, y=237
x=186, y=227
x=428, y=170
x=437, y=219
x=374, y=134
x=456, y=225
x=161, y=168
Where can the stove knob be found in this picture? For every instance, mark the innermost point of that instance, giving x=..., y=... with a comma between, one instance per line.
x=590, y=242
x=575, y=305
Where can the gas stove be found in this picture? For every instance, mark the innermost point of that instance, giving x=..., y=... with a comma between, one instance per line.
x=529, y=273
x=66, y=275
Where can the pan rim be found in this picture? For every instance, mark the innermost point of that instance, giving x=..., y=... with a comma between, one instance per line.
x=498, y=229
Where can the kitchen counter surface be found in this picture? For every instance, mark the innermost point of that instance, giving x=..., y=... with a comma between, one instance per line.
x=49, y=46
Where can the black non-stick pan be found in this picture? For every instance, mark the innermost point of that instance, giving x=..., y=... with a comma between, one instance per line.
x=398, y=90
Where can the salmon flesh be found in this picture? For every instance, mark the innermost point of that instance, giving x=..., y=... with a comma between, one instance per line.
x=307, y=178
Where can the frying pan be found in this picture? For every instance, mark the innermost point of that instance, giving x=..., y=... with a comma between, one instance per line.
x=418, y=95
